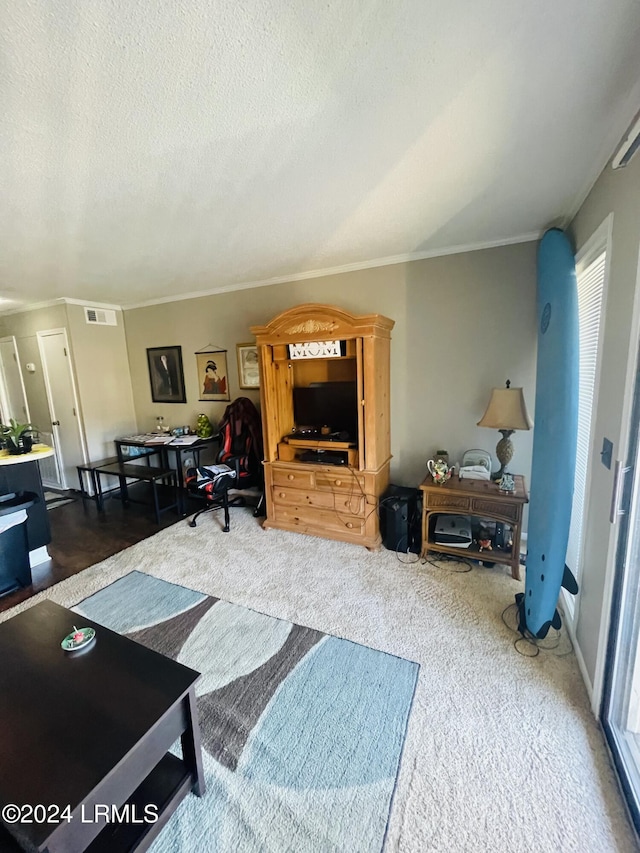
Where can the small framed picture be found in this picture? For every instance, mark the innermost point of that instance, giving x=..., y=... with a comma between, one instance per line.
x=166, y=375
x=213, y=380
x=248, y=367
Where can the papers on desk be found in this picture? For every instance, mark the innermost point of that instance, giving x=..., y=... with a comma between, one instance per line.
x=147, y=438
x=158, y=439
x=184, y=440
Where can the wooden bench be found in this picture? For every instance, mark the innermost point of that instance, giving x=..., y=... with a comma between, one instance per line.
x=129, y=471
x=90, y=469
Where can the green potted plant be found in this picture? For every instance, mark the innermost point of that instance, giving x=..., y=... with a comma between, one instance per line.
x=17, y=438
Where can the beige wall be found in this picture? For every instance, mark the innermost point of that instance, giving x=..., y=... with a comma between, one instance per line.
x=101, y=366
x=224, y=320
x=471, y=326
x=464, y=323
x=617, y=192
x=104, y=385
x=24, y=327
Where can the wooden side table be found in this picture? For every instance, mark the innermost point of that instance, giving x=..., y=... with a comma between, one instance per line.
x=481, y=499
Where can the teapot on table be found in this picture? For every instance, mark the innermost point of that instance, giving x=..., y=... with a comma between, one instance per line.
x=440, y=470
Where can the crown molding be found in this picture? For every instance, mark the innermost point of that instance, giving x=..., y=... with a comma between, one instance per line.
x=88, y=303
x=343, y=268
x=35, y=306
x=62, y=300
x=404, y=258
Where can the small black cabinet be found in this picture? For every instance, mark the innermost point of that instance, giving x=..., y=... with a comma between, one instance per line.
x=25, y=477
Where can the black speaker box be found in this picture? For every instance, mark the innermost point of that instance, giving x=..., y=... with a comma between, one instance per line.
x=401, y=519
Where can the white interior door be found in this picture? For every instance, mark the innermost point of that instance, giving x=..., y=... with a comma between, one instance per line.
x=68, y=438
x=13, y=399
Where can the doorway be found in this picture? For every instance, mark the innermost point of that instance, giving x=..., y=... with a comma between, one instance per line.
x=13, y=397
x=66, y=430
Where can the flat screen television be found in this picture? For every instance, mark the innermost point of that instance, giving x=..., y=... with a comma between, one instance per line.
x=333, y=404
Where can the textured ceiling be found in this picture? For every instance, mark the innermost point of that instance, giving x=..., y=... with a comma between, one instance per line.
x=155, y=149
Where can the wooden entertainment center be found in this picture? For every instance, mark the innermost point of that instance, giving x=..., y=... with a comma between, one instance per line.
x=325, y=478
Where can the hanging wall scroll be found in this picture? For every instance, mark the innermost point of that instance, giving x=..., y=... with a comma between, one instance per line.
x=213, y=379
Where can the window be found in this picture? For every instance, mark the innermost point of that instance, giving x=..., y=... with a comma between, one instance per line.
x=591, y=267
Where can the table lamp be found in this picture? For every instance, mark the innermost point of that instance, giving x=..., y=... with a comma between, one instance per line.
x=506, y=412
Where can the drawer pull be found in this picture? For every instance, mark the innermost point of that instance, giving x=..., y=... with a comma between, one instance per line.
x=291, y=476
x=338, y=482
x=282, y=494
x=349, y=524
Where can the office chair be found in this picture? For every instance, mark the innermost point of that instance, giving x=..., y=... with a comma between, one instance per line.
x=238, y=463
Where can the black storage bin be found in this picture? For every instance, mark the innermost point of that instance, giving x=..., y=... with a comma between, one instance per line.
x=401, y=519
x=15, y=570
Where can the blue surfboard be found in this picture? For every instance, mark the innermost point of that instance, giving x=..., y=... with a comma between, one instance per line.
x=554, y=438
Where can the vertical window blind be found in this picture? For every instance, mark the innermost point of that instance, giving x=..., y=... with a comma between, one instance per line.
x=590, y=294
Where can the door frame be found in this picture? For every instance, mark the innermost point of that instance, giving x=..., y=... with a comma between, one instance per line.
x=619, y=584
x=609, y=616
x=74, y=390
x=11, y=339
x=617, y=568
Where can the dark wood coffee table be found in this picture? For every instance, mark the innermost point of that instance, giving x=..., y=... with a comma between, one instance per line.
x=91, y=727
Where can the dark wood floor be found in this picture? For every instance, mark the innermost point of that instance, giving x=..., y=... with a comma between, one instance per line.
x=81, y=536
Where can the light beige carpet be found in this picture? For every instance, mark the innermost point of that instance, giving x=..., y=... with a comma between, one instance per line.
x=502, y=752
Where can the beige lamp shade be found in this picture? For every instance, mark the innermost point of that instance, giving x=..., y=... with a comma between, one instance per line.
x=506, y=410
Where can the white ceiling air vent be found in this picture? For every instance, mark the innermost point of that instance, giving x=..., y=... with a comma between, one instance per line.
x=100, y=316
x=628, y=146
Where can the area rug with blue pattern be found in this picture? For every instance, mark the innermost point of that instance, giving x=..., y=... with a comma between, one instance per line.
x=302, y=732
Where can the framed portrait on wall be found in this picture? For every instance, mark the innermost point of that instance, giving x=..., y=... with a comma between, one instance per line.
x=166, y=375
x=213, y=380
x=248, y=367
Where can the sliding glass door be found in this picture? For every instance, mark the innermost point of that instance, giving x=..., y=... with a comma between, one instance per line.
x=621, y=703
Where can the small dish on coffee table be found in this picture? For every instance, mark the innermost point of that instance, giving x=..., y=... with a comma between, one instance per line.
x=78, y=639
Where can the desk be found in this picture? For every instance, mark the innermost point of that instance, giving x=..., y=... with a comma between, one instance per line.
x=179, y=451
x=481, y=499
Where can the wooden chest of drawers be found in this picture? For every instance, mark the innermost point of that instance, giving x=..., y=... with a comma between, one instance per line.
x=325, y=500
